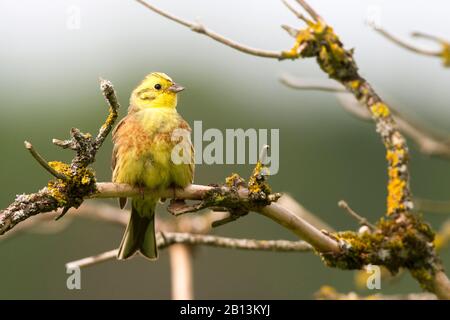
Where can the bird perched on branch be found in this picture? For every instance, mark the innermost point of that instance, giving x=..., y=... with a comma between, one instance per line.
x=152, y=150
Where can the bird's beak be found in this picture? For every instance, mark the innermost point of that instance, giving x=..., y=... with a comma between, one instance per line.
x=176, y=88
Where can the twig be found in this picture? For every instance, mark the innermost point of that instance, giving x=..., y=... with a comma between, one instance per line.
x=429, y=143
x=43, y=163
x=310, y=10
x=196, y=27
x=427, y=36
x=302, y=84
x=443, y=53
x=171, y=238
x=89, y=261
x=298, y=14
x=110, y=96
x=181, y=272
x=361, y=220
x=405, y=45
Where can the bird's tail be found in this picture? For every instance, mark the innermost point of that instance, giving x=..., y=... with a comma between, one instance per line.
x=140, y=232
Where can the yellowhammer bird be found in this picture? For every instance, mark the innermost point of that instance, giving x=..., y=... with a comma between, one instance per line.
x=142, y=157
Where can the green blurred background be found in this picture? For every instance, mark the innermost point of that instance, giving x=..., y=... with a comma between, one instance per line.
x=49, y=83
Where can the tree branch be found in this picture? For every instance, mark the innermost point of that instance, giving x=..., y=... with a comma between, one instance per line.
x=167, y=239
x=405, y=45
x=43, y=162
x=361, y=220
x=443, y=53
x=196, y=27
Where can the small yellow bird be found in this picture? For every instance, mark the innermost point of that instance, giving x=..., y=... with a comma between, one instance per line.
x=143, y=144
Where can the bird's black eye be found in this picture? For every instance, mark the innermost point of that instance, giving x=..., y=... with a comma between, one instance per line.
x=157, y=86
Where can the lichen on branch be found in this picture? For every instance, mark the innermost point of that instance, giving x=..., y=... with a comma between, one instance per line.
x=74, y=182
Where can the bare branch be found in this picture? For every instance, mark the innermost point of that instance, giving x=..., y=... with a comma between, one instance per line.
x=310, y=10
x=170, y=238
x=302, y=84
x=361, y=220
x=427, y=36
x=14, y=214
x=43, y=162
x=196, y=27
x=93, y=260
x=297, y=13
x=405, y=45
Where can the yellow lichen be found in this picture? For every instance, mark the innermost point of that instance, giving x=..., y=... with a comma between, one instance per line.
x=445, y=54
x=396, y=185
x=319, y=40
x=354, y=84
x=394, y=157
x=302, y=36
x=80, y=182
x=395, y=195
x=380, y=110
x=110, y=119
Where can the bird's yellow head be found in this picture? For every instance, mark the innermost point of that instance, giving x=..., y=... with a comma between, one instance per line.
x=157, y=90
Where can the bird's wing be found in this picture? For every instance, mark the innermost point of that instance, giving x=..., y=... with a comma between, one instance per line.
x=185, y=125
x=122, y=201
x=115, y=148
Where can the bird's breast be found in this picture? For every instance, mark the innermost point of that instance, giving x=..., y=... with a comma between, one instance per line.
x=145, y=146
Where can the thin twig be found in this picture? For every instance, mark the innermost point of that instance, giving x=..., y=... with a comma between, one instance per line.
x=302, y=84
x=361, y=220
x=405, y=45
x=427, y=36
x=196, y=27
x=310, y=10
x=111, y=98
x=297, y=13
x=93, y=260
x=171, y=238
x=43, y=162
